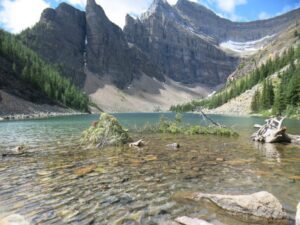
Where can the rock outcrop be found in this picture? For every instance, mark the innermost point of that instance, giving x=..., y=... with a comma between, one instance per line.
x=261, y=204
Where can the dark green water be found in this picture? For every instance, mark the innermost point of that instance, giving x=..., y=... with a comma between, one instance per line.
x=131, y=186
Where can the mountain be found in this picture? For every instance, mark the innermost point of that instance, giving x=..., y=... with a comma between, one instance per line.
x=59, y=38
x=76, y=40
x=28, y=85
x=266, y=82
x=108, y=52
x=173, y=45
x=185, y=40
x=185, y=49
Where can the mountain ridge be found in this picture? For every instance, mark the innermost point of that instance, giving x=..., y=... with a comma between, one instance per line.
x=181, y=42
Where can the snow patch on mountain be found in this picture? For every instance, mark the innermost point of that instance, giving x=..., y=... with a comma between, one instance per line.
x=249, y=46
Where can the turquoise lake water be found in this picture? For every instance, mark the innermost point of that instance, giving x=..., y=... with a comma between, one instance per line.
x=137, y=186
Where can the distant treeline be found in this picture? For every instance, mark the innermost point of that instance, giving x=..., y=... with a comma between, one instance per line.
x=239, y=86
x=44, y=77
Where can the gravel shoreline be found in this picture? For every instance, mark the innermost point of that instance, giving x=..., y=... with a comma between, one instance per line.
x=39, y=115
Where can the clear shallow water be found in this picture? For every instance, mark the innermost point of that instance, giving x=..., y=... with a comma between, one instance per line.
x=131, y=186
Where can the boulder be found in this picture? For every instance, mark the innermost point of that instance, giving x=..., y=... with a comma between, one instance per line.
x=261, y=204
x=298, y=215
x=191, y=221
x=14, y=219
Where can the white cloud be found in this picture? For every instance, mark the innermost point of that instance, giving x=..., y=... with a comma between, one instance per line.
x=226, y=8
x=116, y=10
x=263, y=16
x=16, y=15
x=229, y=5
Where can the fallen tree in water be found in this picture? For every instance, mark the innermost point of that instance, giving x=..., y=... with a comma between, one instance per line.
x=105, y=132
x=272, y=132
x=177, y=126
x=108, y=131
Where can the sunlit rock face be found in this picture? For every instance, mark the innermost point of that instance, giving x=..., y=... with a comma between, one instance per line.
x=185, y=42
x=108, y=52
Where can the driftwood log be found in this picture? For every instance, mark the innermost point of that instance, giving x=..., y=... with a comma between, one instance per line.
x=139, y=143
x=272, y=132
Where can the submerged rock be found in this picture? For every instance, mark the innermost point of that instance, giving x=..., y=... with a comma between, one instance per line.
x=84, y=170
x=298, y=215
x=191, y=221
x=174, y=145
x=220, y=159
x=261, y=204
x=19, y=150
x=14, y=219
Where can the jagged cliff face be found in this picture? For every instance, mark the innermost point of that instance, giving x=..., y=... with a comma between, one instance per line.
x=59, y=38
x=181, y=53
x=76, y=41
x=207, y=22
x=108, y=52
x=183, y=42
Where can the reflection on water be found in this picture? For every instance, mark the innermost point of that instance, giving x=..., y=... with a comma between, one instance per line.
x=270, y=151
x=130, y=186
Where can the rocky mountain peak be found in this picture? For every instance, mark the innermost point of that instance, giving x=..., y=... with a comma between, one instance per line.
x=48, y=15
x=157, y=7
x=92, y=9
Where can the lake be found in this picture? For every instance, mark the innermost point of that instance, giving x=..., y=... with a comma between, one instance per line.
x=137, y=186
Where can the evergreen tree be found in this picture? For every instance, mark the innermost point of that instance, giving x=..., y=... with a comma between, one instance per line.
x=256, y=104
x=279, y=103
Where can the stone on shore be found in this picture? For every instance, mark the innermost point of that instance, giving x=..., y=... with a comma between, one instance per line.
x=184, y=220
x=261, y=204
x=14, y=219
x=298, y=215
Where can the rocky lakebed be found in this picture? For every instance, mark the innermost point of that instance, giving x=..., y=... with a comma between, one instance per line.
x=220, y=180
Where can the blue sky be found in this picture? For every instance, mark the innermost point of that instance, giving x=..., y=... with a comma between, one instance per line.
x=16, y=15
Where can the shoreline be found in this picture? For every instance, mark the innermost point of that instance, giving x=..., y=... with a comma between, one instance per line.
x=38, y=115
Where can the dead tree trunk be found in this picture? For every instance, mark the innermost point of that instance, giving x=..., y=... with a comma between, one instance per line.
x=272, y=132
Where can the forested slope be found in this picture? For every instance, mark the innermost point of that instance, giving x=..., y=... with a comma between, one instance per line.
x=22, y=65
